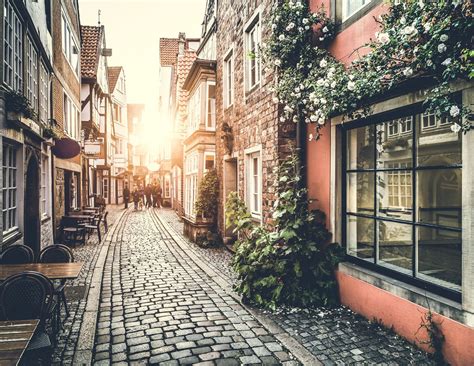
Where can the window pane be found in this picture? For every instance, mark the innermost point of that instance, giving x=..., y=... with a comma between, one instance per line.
x=361, y=148
x=439, y=256
x=394, y=143
x=439, y=197
x=394, y=194
x=360, y=237
x=439, y=145
x=360, y=193
x=395, y=245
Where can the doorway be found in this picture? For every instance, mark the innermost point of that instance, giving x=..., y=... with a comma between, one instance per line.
x=31, y=206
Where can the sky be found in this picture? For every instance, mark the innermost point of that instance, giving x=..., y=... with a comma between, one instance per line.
x=133, y=29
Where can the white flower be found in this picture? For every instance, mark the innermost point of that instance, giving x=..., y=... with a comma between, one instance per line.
x=325, y=30
x=332, y=69
x=320, y=82
x=383, y=37
x=442, y=48
x=409, y=29
x=306, y=27
x=282, y=119
x=443, y=38
x=333, y=84
x=288, y=109
x=274, y=26
x=403, y=20
x=290, y=26
x=323, y=101
x=454, y=111
x=429, y=63
x=351, y=77
x=305, y=101
x=321, y=121
x=313, y=118
x=427, y=27
x=421, y=4
x=323, y=63
x=321, y=39
x=408, y=72
x=446, y=62
x=276, y=100
x=305, y=21
x=455, y=128
x=310, y=137
x=277, y=62
x=351, y=85
x=281, y=37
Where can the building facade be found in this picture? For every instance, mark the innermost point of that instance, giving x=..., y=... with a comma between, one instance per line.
x=397, y=188
x=27, y=53
x=200, y=136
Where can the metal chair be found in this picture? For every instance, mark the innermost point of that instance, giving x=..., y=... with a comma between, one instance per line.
x=106, y=225
x=29, y=295
x=72, y=231
x=17, y=254
x=95, y=225
x=58, y=253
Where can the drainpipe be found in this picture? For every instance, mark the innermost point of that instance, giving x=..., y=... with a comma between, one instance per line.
x=301, y=150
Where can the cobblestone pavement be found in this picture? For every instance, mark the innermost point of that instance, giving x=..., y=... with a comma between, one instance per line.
x=337, y=336
x=158, y=307
x=76, y=291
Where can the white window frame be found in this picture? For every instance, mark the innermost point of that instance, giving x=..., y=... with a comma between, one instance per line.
x=252, y=28
x=10, y=189
x=191, y=177
x=195, y=109
x=253, y=188
x=68, y=44
x=398, y=125
x=438, y=122
x=13, y=48
x=210, y=126
x=71, y=117
x=229, y=78
x=32, y=73
x=345, y=12
x=43, y=94
x=44, y=192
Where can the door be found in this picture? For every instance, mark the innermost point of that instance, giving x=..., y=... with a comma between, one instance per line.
x=31, y=210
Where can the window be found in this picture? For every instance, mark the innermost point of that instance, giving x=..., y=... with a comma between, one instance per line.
x=430, y=120
x=350, y=7
x=43, y=95
x=31, y=74
x=194, y=110
x=44, y=186
x=229, y=80
x=191, y=184
x=403, y=199
x=252, y=59
x=13, y=46
x=9, y=189
x=209, y=161
x=105, y=188
x=254, y=183
x=71, y=118
x=167, y=190
x=211, y=106
x=70, y=45
x=75, y=191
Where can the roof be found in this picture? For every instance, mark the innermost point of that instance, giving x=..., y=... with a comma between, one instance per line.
x=91, y=37
x=168, y=51
x=185, y=62
x=199, y=65
x=113, y=73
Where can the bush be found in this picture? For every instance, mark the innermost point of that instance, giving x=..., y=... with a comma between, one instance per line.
x=289, y=262
x=208, y=194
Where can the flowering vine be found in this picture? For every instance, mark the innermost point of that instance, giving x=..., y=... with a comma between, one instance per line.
x=431, y=41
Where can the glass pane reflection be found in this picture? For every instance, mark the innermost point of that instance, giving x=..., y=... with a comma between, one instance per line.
x=360, y=237
x=360, y=193
x=395, y=245
x=361, y=148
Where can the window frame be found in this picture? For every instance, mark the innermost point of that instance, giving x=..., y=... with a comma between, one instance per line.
x=13, y=65
x=10, y=167
x=229, y=79
x=250, y=184
x=68, y=43
x=71, y=117
x=450, y=290
x=44, y=184
x=253, y=26
x=32, y=73
x=212, y=126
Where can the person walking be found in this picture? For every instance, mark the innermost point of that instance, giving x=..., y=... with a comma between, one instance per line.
x=157, y=191
x=136, y=198
x=148, y=194
x=126, y=195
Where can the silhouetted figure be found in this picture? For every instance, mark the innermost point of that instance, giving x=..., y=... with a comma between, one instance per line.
x=148, y=194
x=126, y=195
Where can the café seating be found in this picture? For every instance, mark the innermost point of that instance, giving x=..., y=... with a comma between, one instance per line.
x=17, y=254
x=73, y=232
x=95, y=224
x=58, y=253
x=29, y=295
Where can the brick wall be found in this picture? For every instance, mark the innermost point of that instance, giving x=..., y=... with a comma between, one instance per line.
x=253, y=116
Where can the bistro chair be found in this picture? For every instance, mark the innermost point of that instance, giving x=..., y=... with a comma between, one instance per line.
x=106, y=225
x=26, y=296
x=17, y=254
x=58, y=253
x=72, y=232
x=94, y=224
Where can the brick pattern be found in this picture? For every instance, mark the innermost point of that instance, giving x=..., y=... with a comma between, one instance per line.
x=253, y=116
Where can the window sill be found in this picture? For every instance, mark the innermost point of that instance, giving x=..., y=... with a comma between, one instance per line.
x=414, y=294
x=11, y=237
x=346, y=23
x=45, y=218
x=250, y=91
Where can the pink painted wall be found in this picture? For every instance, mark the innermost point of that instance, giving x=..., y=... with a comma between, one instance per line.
x=405, y=317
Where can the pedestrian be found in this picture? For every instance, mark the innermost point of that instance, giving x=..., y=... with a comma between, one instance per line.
x=157, y=191
x=141, y=192
x=136, y=198
x=148, y=194
x=126, y=195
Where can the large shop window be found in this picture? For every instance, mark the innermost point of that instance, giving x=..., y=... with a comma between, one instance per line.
x=403, y=198
x=12, y=48
x=9, y=190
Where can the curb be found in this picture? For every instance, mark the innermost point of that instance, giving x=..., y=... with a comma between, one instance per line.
x=288, y=341
x=85, y=343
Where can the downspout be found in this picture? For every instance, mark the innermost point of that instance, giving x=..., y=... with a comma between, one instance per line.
x=301, y=151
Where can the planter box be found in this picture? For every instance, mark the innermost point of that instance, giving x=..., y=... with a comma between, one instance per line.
x=196, y=228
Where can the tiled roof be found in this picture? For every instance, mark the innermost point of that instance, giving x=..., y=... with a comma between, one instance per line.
x=168, y=51
x=185, y=62
x=113, y=73
x=91, y=36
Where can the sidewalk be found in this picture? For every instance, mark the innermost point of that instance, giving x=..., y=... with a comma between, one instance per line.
x=76, y=294
x=336, y=336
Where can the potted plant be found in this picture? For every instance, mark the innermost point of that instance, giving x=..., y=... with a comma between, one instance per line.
x=206, y=208
x=18, y=106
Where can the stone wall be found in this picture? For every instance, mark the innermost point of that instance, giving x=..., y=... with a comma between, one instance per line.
x=46, y=232
x=253, y=117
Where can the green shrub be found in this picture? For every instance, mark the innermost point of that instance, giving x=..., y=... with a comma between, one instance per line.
x=208, y=194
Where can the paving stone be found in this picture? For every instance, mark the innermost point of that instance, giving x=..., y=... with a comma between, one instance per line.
x=250, y=360
x=159, y=358
x=209, y=356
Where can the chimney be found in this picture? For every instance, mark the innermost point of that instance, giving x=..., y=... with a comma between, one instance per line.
x=181, y=42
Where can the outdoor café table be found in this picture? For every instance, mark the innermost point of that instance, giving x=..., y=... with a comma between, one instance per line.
x=14, y=338
x=54, y=271
x=79, y=217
